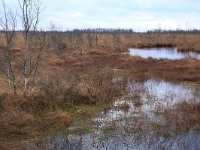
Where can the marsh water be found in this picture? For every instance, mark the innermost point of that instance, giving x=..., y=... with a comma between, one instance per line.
x=162, y=53
x=125, y=125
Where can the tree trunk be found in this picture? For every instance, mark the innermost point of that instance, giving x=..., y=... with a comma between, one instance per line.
x=14, y=86
x=25, y=63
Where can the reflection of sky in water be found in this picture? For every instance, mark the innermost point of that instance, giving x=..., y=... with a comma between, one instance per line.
x=162, y=53
x=164, y=94
x=187, y=141
x=152, y=93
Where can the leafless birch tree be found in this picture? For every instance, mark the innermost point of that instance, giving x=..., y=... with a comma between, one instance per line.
x=56, y=39
x=30, y=12
x=8, y=25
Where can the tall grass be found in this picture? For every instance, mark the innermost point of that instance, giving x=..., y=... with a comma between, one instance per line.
x=186, y=117
x=43, y=109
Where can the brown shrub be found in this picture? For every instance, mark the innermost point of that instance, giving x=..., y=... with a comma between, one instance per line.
x=13, y=124
x=100, y=85
x=16, y=50
x=57, y=118
x=56, y=61
x=187, y=116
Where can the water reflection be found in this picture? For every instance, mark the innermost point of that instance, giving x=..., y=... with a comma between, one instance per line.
x=162, y=53
x=126, y=125
x=187, y=141
x=144, y=98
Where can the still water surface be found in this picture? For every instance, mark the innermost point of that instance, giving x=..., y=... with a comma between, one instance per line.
x=127, y=129
x=162, y=53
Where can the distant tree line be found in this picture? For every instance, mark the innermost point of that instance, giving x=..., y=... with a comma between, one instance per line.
x=110, y=30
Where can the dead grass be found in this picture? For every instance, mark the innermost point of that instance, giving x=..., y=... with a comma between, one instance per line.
x=58, y=118
x=56, y=61
x=105, y=55
x=44, y=109
x=187, y=116
x=171, y=70
x=26, y=117
x=16, y=50
x=60, y=85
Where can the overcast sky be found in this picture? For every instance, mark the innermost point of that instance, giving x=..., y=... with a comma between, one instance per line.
x=139, y=15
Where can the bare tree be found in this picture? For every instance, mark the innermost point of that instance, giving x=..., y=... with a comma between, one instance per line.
x=30, y=12
x=8, y=24
x=78, y=43
x=38, y=42
x=91, y=38
x=116, y=41
x=56, y=39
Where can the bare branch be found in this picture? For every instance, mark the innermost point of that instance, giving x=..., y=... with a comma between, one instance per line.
x=8, y=24
x=30, y=12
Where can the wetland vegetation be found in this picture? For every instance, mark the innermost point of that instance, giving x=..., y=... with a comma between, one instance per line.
x=99, y=89
x=115, y=101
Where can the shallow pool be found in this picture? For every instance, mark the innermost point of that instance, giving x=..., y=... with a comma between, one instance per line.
x=126, y=124
x=162, y=53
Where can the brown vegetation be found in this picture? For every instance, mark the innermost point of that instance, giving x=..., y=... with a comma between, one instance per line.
x=82, y=74
x=183, y=118
x=187, y=116
x=45, y=109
